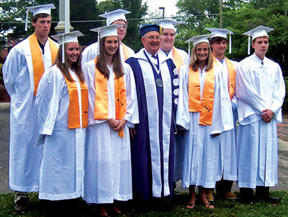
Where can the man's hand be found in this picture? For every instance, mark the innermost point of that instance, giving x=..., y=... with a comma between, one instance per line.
x=267, y=115
x=132, y=133
x=121, y=124
x=113, y=124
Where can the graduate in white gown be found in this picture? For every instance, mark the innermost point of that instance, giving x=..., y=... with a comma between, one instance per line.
x=22, y=70
x=62, y=108
x=180, y=58
x=112, y=110
x=201, y=110
x=112, y=17
x=260, y=89
x=228, y=161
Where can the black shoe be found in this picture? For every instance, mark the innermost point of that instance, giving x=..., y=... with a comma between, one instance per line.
x=262, y=193
x=247, y=196
x=270, y=199
x=249, y=201
x=21, y=200
x=20, y=207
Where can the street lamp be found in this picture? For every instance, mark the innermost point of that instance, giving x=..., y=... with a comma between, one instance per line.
x=163, y=11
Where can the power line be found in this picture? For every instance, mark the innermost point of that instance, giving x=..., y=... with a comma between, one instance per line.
x=131, y=19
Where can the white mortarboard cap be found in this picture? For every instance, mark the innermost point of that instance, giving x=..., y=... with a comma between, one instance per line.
x=67, y=37
x=41, y=9
x=259, y=31
x=105, y=31
x=63, y=38
x=167, y=24
x=112, y=16
x=38, y=9
x=196, y=40
x=217, y=32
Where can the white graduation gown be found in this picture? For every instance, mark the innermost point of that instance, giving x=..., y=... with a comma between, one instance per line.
x=258, y=87
x=182, y=53
x=62, y=165
x=179, y=139
x=228, y=146
x=108, y=174
x=90, y=52
x=24, y=158
x=202, y=151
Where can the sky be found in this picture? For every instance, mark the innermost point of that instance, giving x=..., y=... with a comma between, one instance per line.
x=170, y=6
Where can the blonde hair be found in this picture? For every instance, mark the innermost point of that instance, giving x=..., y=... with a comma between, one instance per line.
x=194, y=61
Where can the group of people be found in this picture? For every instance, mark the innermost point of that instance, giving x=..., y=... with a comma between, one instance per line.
x=110, y=125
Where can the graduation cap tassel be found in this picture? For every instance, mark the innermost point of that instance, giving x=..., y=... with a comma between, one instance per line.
x=249, y=44
x=230, y=43
x=26, y=21
x=98, y=45
x=63, y=50
x=189, y=50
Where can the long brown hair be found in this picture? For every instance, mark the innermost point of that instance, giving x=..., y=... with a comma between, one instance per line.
x=194, y=61
x=64, y=66
x=101, y=62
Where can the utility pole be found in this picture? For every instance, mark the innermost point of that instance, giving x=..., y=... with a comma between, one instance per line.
x=64, y=17
x=221, y=15
x=163, y=11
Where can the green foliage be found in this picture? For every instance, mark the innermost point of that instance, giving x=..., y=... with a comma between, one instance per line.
x=167, y=208
x=81, y=11
x=12, y=17
x=239, y=16
x=132, y=38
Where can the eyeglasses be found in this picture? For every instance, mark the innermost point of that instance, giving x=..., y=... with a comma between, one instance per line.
x=152, y=37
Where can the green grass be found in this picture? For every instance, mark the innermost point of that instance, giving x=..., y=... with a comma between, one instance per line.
x=167, y=208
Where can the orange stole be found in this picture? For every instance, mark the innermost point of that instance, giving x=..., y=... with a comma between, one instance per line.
x=204, y=106
x=73, y=113
x=177, y=58
x=37, y=60
x=232, y=74
x=101, y=111
x=125, y=51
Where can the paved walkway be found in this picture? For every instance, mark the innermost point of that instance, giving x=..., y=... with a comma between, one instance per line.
x=283, y=128
x=4, y=151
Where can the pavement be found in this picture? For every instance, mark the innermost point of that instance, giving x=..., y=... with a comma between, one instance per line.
x=4, y=152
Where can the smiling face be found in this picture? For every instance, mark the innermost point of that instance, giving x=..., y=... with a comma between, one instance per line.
x=151, y=41
x=261, y=45
x=111, y=45
x=121, y=30
x=72, y=52
x=219, y=47
x=202, y=51
x=167, y=39
x=42, y=26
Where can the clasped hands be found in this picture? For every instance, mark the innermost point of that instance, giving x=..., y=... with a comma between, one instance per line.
x=116, y=125
x=267, y=115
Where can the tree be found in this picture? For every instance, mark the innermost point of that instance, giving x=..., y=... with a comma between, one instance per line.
x=246, y=18
x=80, y=13
x=83, y=17
x=239, y=16
x=134, y=18
x=11, y=18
